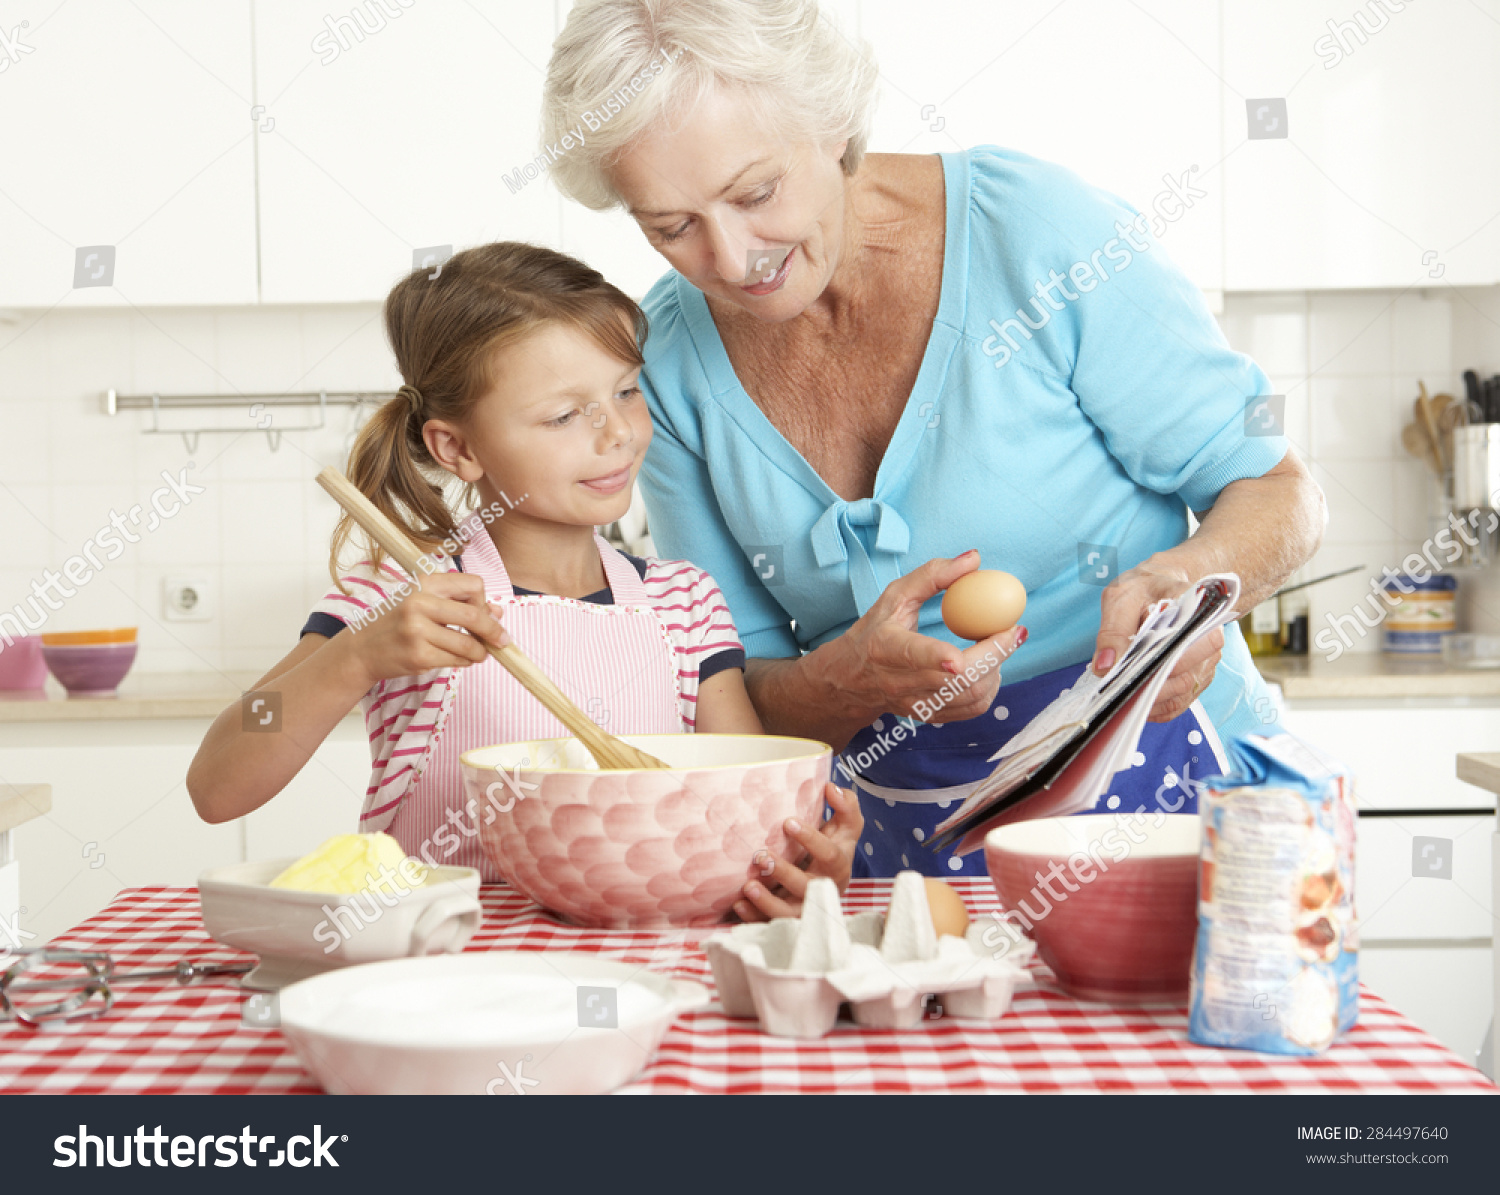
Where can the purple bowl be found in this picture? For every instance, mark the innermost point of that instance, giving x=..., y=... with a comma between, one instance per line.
x=90, y=670
x=21, y=664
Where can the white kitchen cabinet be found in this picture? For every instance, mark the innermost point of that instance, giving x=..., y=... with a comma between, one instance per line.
x=1122, y=94
x=1388, y=152
x=127, y=126
x=121, y=816
x=1447, y=990
x=1403, y=761
x=394, y=137
x=960, y=73
x=19, y=804
x=1402, y=753
x=324, y=799
x=362, y=135
x=1424, y=878
x=1425, y=916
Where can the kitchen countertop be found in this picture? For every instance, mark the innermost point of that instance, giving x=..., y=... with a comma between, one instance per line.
x=20, y=803
x=1302, y=678
x=1375, y=675
x=1481, y=769
x=142, y=695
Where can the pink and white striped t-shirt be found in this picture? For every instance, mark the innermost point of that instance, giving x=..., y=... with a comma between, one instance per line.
x=600, y=646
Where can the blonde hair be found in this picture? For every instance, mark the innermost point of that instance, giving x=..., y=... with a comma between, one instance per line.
x=446, y=333
x=799, y=73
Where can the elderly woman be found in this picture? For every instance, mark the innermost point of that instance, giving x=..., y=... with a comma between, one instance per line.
x=869, y=372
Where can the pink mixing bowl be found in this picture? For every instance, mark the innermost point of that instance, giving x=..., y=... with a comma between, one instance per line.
x=642, y=849
x=1125, y=934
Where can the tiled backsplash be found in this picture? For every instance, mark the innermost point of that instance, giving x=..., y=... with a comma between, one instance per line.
x=1349, y=364
x=259, y=532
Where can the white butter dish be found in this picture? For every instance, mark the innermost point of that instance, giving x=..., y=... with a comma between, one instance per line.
x=300, y=934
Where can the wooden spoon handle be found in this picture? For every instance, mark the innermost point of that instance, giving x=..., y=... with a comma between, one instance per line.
x=376, y=525
x=609, y=751
x=1429, y=424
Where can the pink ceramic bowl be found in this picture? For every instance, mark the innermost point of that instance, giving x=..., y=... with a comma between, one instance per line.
x=90, y=670
x=21, y=664
x=642, y=849
x=1124, y=933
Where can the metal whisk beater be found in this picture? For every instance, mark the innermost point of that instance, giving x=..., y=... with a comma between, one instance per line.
x=90, y=990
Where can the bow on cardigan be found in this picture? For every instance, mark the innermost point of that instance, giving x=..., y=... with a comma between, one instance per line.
x=835, y=541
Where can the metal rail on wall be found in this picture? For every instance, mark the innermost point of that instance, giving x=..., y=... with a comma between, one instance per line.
x=257, y=408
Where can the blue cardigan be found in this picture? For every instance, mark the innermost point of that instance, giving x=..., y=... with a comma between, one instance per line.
x=1075, y=400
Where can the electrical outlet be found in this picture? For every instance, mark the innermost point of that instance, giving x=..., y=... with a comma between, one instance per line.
x=187, y=599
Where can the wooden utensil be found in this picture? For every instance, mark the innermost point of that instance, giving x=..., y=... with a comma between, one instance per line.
x=1415, y=441
x=1447, y=414
x=1429, y=425
x=609, y=751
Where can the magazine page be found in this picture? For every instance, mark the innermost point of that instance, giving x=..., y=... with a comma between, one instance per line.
x=1091, y=715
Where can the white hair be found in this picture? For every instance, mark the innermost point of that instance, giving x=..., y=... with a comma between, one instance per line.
x=622, y=67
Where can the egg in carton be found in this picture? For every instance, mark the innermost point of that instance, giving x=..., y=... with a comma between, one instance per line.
x=795, y=973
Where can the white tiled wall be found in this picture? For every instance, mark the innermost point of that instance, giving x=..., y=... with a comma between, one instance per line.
x=1348, y=363
x=259, y=532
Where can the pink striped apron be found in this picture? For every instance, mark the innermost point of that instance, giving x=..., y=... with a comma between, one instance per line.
x=616, y=662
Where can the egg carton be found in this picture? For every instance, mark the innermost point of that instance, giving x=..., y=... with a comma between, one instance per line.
x=796, y=973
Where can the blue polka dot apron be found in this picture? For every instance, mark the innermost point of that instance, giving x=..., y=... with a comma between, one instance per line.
x=907, y=788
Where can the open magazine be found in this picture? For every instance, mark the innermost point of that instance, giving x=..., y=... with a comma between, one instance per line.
x=1066, y=756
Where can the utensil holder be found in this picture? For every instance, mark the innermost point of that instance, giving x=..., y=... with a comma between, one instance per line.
x=1476, y=467
x=1474, y=492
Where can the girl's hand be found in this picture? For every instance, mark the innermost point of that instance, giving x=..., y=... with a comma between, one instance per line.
x=418, y=634
x=1123, y=607
x=830, y=850
x=885, y=666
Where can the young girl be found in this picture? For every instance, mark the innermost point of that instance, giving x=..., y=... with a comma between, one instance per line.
x=520, y=368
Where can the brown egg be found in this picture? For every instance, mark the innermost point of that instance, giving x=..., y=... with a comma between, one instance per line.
x=983, y=603
x=949, y=914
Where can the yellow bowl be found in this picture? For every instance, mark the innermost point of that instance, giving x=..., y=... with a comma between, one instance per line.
x=88, y=638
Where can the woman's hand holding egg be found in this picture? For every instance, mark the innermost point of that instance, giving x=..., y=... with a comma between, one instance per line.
x=418, y=633
x=883, y=665
x=983, y=604
x=1123, y=606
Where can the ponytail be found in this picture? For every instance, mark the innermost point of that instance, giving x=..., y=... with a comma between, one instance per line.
x=383, y=467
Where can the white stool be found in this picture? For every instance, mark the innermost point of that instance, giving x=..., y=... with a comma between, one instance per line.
x=18, y=805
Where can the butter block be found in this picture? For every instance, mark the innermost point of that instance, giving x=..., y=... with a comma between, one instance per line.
x=349, y=863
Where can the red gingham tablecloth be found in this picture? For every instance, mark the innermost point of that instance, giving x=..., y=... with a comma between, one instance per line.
x=160, y=1038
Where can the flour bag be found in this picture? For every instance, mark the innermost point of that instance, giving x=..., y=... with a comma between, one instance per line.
x=1275, y=967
